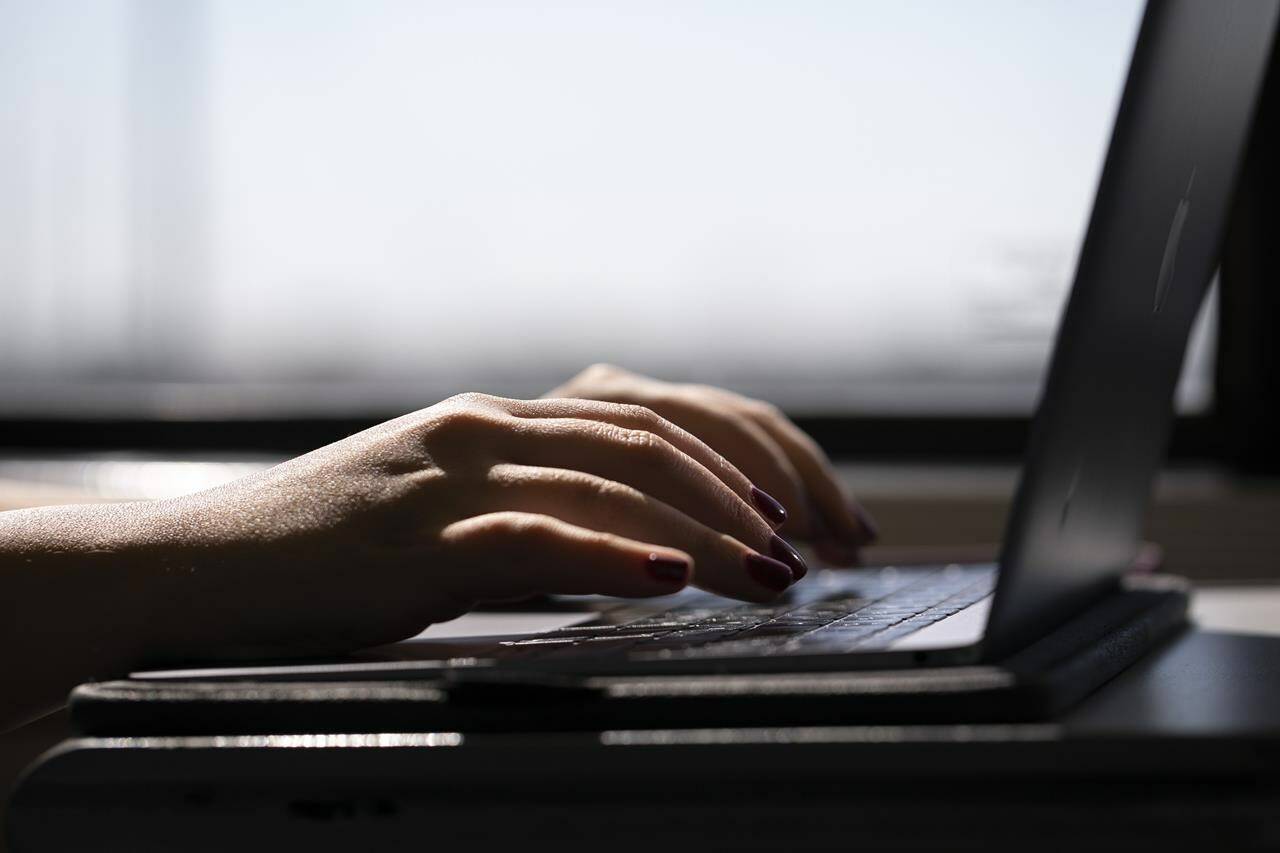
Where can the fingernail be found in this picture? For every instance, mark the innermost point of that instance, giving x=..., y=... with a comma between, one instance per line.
x=768, y=505
x=784, y=552
x=668, y=569
x=870, y=530
x=768, y=572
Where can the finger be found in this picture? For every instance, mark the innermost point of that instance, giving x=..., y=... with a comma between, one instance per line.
x=746, y=445
x=508, y=554
x=635, y=417
x=834, y=553
x=725, y=565
x=832, y=550
x=849, y=524
x=644, y=461
x=844, y=517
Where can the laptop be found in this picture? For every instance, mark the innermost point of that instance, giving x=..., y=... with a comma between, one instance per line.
x=1098, y=438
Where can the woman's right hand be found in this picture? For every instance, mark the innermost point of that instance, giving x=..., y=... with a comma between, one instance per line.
x=476, y=498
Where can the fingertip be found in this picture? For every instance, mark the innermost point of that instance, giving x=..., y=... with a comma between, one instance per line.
x=818, y=529
x=852, y=529
x=771, y=574
x=769, y=506
x=671, y=568
x=866, y=524
x=783, y=551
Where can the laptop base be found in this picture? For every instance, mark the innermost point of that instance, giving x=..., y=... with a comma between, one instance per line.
x=1036, y=683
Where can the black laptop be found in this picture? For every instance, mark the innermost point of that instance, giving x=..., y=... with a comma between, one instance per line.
x=1099, y=436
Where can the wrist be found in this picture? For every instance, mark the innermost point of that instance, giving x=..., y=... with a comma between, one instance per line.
x=79, y=580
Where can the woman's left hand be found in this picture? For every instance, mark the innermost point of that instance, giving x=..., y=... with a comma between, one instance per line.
x=760, y=440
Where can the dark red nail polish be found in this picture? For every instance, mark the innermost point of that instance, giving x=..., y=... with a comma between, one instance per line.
x=768, y=572
x=768, y=506
x=668, y=569
x=870, y=530
x=784, y=552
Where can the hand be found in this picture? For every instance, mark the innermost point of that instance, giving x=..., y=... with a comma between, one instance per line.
x=757, y=439
x=414, y=521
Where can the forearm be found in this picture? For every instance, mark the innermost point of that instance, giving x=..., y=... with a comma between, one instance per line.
x=89, y=592
x=80, y=587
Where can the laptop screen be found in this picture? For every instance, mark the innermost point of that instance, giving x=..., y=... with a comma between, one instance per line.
x=1151, y=248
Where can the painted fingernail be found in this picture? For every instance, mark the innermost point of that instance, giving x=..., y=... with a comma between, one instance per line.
x=668, y=569
x=768, y=572
x=768, y=506
x=870, y=530
x=784, y=552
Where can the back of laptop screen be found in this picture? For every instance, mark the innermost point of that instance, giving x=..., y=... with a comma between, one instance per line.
x=1149, y=254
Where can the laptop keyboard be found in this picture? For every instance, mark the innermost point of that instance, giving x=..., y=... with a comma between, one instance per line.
x=871, y=613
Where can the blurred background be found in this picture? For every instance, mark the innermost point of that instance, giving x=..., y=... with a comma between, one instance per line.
x=221, y=208
x=231, y=231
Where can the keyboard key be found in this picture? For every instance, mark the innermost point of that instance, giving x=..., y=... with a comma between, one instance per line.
x=882, y=609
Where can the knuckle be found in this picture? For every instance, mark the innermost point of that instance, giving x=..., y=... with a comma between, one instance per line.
x=698, y=390
x=591, y=494
x=601, y=368
x=603, y=432
x=528, y=529
x=654, y=448
x=473, y=398
x=465, y=418
x=639, y=414
x=608, y=491
x=762, y=409
x=604, y=539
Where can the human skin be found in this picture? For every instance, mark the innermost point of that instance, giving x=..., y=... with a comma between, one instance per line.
x=757, y=438
x=414, y=521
